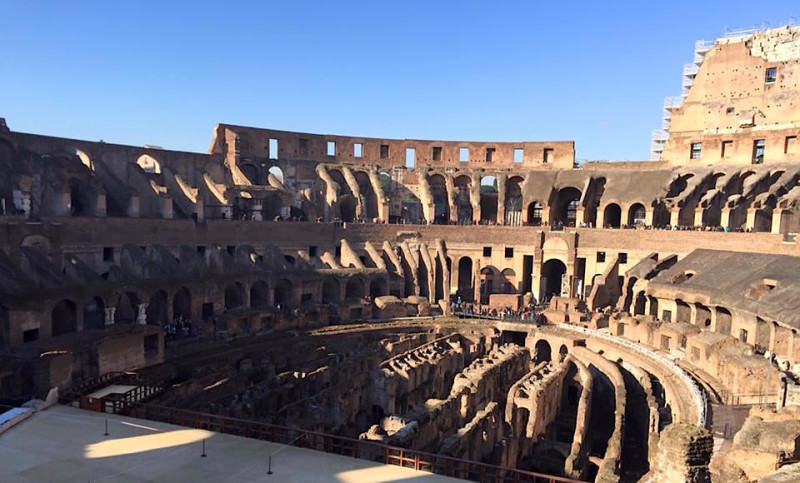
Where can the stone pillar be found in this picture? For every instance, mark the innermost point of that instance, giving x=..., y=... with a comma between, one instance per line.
x=600, y=219
x=110, y=311
x=693, y=314
x=751, y=219
x=776, y=221
x=698, y=216
x=648, y=216
x=476, y=267
x=501, y=199
x=101, y=204
x=451, y=197
x=133, y=206
x=725, y=217
x=246, y=295
x=141, y=317
x=675, y=216
x=166, y=207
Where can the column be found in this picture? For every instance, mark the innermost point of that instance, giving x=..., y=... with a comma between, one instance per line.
x=501, y=199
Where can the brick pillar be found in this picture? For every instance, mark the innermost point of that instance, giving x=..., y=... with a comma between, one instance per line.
x=501, y=199
x=684, y=452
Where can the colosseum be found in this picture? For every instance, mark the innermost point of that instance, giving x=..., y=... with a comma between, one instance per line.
x=485, y=311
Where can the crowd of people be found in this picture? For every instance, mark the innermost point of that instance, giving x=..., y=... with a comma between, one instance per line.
x=529, y=313
x=179, y=327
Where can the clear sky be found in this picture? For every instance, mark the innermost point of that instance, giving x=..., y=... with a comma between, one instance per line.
x=164, y=73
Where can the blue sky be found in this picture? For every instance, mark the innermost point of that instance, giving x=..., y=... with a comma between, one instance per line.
x=164, y=73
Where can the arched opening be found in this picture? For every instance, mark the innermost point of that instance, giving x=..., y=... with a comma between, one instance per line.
x=368, y=197
x=626, y=303
x=612, y=216
x=636, y=215
x=563, y=352
x=763, y=220
x=566, y=212
x=661, y=216
x=330, y=291
x=553, y=278
x=85, y=159
x=149, y=164
x=354, y=289
x=94, y=314
x=157, y=308
x=465, y=288
x=724, y=321
x=377, y=287
x=535, y=211
x=488, y=198
x=653, y=306
x=250, y=171
x=682, y=311
x=641, y=303
x=259, y=294
x=462, y=185
x=347, y=208
x=787, y=218
x=702, y=316
x=127, y=308
x=64, y=318
x=182, y=305
x=234, y=296
x=277, y=173
x=509, y=281
x=441, y=205
x=487, y=284
x=513, y=205
x=283, y=294
x=83, y=199
x=542, y=352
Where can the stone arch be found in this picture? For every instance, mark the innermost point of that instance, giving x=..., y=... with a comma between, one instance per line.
x=542, y=352
x=182, y=304
x=553, y=273
x=466, y=289
x=612, y=216
x=513, y=202
x=94, y=313
x=283, y=294
x=149, y=164
x=683, y=313
x=640, y=303
x=157, y=311
x=330, y=291
x=489, y=198
x=487, y=277
x=724, y=321
x=566, y=207
x=377, y=287
x=234, y=296
x=535, y=213
x=637, y=215
x=277, y=172
x=250, y=171
x=259, y=294
x=64, y=318
x=127, y=309
x=354, y=288
x=441, y=203
x=462, y=185
x=702, y=316
x=509, y=281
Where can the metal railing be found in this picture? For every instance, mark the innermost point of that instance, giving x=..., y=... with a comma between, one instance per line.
x=340, y=445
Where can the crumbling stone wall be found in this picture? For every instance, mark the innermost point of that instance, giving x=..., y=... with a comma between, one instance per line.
x=683, y=455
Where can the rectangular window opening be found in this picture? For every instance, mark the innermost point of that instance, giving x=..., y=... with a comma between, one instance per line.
x=384, y=151
x=790, y=145
x=331, y=148
x=547, y=155
x=463, y=154
x=303, y=148
x=696, y=150
x=519, y=155
x=487, y=251
x=357, y=147
x=730, y=111
x=437, y=153
x=601, y=257
x=727, y=147
x=312, y=251
x=509, y=252
x=273, y=149
x=108, y=254
x=489, y=154
x=758, y=151
x=411, y=154
x=770, y=75
x=30, y=335
x=623, y=258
